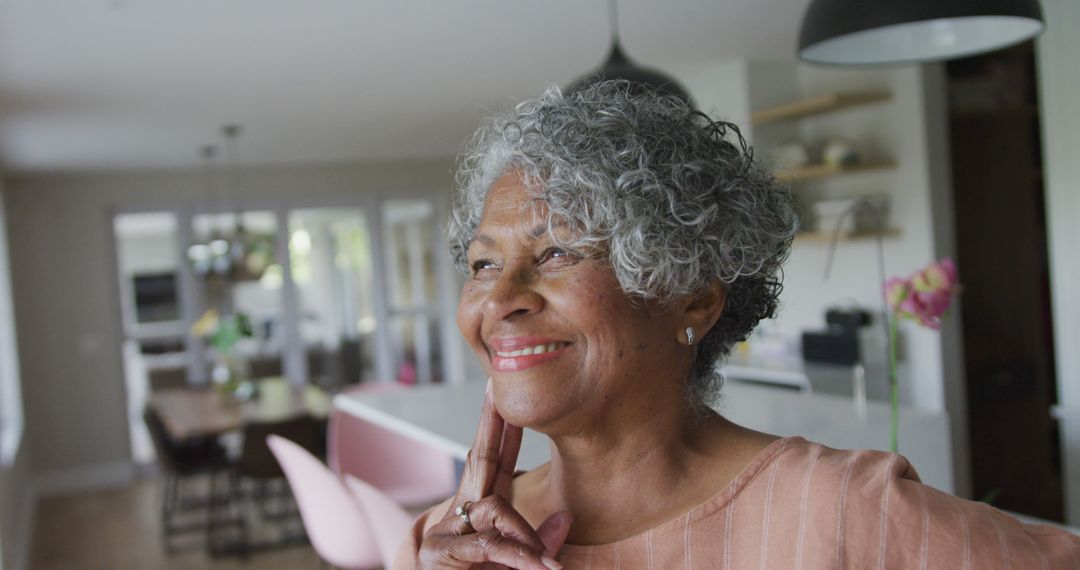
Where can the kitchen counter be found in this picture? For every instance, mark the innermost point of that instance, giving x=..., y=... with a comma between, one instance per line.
x=794, y=373
x=446, y=416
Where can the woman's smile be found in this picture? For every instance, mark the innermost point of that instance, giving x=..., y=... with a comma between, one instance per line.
x=511, y=354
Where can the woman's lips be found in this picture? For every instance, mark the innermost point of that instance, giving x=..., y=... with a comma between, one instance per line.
x=511, y=355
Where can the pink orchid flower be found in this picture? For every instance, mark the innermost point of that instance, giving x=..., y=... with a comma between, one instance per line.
x=896, y=290
x=925, y=296
x=940, y=276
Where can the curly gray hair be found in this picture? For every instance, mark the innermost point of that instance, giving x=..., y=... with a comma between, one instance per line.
x=654, y=185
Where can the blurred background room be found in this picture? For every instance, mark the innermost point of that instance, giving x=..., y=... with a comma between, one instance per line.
x=221, y=221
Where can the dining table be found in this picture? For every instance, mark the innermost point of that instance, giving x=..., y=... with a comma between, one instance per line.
x=205, y=411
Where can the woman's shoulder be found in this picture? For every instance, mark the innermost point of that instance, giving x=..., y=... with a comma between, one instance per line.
x=872, y=508
x=818, y=475
x=868, y=465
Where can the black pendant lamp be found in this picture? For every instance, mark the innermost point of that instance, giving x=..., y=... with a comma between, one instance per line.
x=846, y=32
x=619, y=66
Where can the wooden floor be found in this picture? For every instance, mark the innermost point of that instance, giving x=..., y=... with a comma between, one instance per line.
x=119, y=529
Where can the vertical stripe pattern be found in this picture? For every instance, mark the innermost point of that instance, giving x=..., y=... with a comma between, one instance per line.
x=924, y=551
x=801, y=505
x=1003, y=543
x=967, y=540
x=840, y=512
x=802, y=509
x=687, y=551
x=728, y=524
x=883, y=533
x=648, y=547
x=765, y=518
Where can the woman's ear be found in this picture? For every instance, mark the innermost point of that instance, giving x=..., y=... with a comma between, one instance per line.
x=705, y=308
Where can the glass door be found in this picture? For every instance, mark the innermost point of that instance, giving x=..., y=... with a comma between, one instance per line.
x=410, y=239
x=239, y=282
x=333, y=295
x=332, y=269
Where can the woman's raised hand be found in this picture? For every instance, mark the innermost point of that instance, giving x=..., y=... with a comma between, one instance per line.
x=481, y=527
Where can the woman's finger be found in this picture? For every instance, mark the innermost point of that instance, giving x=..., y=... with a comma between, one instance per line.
x=491, y=513
x=495, y=513
x=554, y=529
x=487, y=546
x=508, y=456
x=483, y=460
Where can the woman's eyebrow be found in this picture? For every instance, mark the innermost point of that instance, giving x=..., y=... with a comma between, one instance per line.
x=484, y=240
x=536, y=233
x=540, y=230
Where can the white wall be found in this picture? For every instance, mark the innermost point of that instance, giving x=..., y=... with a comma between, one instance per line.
x=1059, y=88
x=67, y=304
x=911, y=129
x=722, y=91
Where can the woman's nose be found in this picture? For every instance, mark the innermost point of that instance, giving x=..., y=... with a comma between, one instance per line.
x=513, y=294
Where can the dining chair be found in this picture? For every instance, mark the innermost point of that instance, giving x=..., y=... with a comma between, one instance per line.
x=257, y=490
x=390, y=523
x=184, y=511
x=167, y=378
x=332, y=516
x=412, y=473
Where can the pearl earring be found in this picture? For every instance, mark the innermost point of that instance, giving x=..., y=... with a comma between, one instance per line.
x=689, y=336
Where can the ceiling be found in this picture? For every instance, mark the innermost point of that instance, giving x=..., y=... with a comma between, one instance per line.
x=119, y=84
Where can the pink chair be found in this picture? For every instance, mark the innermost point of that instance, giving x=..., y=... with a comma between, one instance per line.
x=411, y=473
x=333, y=518
x=389, y=521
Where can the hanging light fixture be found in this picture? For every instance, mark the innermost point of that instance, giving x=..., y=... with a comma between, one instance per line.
x=231, y=253
x=843, y=32
x=210, y=255
x=250, y=253
x=619, y=66
x=238, y=238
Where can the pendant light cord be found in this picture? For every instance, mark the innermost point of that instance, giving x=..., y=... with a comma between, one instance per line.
x=863, y=205
x=613, y=17
x=231, y=133
x=208, y=154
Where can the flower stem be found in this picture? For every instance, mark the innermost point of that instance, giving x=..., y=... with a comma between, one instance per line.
x=894, y=387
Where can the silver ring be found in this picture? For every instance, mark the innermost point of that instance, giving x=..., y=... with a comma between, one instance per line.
x=463, y=512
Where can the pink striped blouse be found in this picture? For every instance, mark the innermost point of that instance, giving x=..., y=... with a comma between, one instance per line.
x=803, y=505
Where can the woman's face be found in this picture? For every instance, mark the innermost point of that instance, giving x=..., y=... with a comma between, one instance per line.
x=563, y=344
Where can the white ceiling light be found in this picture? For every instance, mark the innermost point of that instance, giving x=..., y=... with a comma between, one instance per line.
x=845, y=32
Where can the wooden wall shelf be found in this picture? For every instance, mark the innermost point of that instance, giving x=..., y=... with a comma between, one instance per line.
x=817, y=171
x=820, y=104
x=826, y=236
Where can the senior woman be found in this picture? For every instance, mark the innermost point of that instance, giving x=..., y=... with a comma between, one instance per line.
x=618, y=244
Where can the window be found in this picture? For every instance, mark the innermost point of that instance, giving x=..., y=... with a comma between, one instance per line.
x=11, y=420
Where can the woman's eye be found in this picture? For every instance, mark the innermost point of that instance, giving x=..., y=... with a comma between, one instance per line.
x=558, y=254
x=481, y=265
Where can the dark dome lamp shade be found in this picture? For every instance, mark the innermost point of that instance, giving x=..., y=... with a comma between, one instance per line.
x=846, y=32
x=619, y=66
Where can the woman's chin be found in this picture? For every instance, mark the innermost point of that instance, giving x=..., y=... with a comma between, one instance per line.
x=533, y=413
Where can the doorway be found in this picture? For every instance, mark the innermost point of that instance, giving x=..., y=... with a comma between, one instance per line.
x=1002, y=254
x=333, y=294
